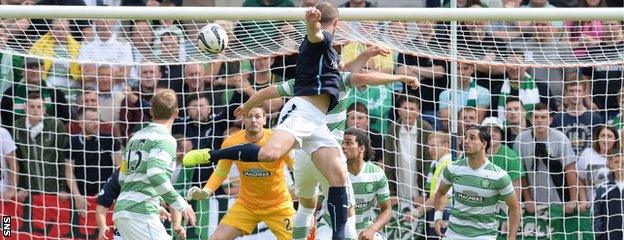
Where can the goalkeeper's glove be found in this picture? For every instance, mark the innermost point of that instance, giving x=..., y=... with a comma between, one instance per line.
x=198, y=194
x=196, y=157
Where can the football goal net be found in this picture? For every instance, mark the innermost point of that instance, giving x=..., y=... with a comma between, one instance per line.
x=77, y=84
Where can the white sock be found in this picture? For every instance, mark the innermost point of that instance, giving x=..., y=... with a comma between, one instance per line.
x=350, y=232
x=301, y=222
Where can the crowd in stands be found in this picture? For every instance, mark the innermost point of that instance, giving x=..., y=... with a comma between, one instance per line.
x=555, y=130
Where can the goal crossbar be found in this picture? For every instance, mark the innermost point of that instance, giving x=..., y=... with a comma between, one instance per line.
x=291, y=14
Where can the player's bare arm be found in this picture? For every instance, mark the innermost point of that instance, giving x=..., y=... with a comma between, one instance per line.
x=360, y=61
x=379, y=78
x=384, y=217
x=256, y=99
x=514, y=216
x=439, y=207
x=313, y=25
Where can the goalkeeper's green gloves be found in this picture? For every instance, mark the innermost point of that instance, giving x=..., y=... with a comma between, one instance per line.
x=198, y=194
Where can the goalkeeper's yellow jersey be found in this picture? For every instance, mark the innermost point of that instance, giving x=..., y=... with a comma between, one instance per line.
x=262, y=184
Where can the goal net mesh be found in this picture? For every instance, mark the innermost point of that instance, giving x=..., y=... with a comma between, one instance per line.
x=505, y=69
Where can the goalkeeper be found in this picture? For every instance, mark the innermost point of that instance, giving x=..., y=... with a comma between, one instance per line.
x=263, y=195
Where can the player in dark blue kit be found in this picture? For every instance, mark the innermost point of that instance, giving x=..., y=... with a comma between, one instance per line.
x=302, y=123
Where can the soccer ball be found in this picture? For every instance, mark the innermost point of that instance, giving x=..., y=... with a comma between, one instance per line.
x=213, y=38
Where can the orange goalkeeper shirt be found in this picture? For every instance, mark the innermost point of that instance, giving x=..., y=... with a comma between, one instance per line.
x=262, y=184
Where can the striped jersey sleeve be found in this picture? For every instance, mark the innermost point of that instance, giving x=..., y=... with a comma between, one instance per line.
x=504, y=187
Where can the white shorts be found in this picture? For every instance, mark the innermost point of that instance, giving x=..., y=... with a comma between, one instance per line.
x=307, y=124
x=324, y=231
x=308, y=179
x=146, y=229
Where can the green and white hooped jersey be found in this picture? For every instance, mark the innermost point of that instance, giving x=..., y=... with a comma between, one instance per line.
x=336, y=117
x=476, y=196
x=368, y=185
x=145, y=179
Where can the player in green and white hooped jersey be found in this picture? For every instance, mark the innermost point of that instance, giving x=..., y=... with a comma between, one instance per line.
x=145, y=177
x=479, y=187
x=370, y=185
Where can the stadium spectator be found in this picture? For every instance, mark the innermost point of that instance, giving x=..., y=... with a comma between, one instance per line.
x=516, y=120
x=618, y=121
x=518, y=84
x=247, y=84
x=544, y=4
x=379, y=101
x=546, y=47
x=509, y=30
x=106, y=46
x=503, y=156
x=357, y=117
x=466, y=83
x=59, y=44
x=11, y=72
x=172, y=74
x=551, y=178
x=585, y=34
x=191, y=48
x=474, y=40
x=576, y=122
x=609, y=203
x=88, y=98
x=431, y=72
x=606, y=80
x=309, y=3
x=14, y=98
x=358, y=4
x=615, y=3
x=405, y=159
x=135, y=108
x=592, y=164
x=201, y=126
x=90, y=159
x=40, y=141
x=168, y=39
x=141, y=38
x=110, y=100
x=8, y=178
x=439, y=147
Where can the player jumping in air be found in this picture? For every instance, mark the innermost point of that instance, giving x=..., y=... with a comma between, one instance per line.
x=145, y=175
x=302, y=124
x=307, y=176
x=478, y=187
x=263, y=195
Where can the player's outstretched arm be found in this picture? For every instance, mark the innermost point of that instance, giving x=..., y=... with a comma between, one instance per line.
x=356, y=65
x=313, y=25
x=216, y=179
x=379, y=78
x=256, y=99
x=514, y=216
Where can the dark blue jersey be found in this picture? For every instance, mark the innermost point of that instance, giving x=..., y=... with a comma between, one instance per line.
x=317, y=69
x=110, y=191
